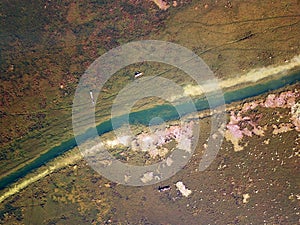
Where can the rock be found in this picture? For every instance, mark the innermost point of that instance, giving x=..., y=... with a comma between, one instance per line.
x=283, y=127
x=234, y=140
x=161, y=4
x=246, y=198
x=183, y=190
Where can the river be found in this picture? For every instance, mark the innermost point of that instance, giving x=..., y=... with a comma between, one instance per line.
x=166, y=112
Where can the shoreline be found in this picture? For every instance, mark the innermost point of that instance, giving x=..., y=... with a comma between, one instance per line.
x=269, y=78
x=270, y=73
x=71, y=157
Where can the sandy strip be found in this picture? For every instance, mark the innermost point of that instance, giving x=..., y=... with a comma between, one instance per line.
x=57, y=164
x=252, y=76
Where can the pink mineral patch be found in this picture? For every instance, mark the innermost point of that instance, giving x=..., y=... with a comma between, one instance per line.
x=234, y=119
x=247, y=132
x=270, y=101
x=285, y=100
x=249, y=106
x=235, y=130
x=153, y=142
x=238, y=125
x=280, y=101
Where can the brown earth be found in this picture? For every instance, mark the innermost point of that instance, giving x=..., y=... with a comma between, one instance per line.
x=56, y=45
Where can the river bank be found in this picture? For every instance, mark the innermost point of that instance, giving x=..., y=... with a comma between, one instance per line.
x=247, y=179
x=51, y=71
x=64, y=162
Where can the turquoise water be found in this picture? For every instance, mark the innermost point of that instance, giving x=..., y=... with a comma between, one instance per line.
x=166, y=112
